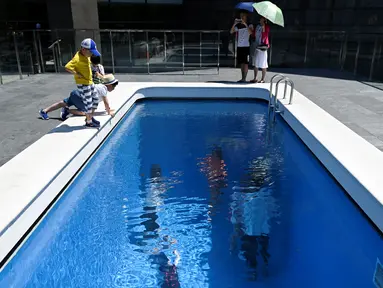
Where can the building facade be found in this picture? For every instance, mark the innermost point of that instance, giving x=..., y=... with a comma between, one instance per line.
x=303, y=42
x=184, y=14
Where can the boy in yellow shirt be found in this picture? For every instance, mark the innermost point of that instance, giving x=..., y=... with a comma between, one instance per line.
x=80, y=67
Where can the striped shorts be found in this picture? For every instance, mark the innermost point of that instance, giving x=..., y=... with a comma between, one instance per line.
x=88, y=96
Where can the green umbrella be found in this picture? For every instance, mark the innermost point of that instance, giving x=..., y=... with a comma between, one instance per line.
x=270, y=11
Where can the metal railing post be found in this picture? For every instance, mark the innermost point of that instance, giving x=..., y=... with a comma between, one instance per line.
x=17, y=56
x=54, y=58
x=94, y=35
x=356, y=58
x=219, y=50
x=35, y=47
x=183, y=52
x=235, y=51
x=341, y=51
x=31, y=60
x=307, y=46
x=41, y=53
x=59, y=63
x=1, y=75
x=200, y=49
x=344, y=53
x=271, y=105
x=373, y=59
x=165, y=44
x=130, y=49
x=271, y=50
x=111, y=50
x=53, y=47
x=147, y=52
x=147, y=57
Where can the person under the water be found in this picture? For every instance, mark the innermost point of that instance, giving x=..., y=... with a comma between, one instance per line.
x=171, y=273
x=214, y=167
x=252, y=208
x=166, y=266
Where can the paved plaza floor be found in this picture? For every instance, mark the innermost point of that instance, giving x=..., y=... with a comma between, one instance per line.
x=358, y=105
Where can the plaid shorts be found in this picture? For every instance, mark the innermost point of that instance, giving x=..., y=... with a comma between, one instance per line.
x=88, y=96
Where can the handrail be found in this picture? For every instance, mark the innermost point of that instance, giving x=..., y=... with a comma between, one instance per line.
x=55, y=47
x=54, y=43
x=291, y=91
x=289, y=81
x=286, y=80
x=271, y=105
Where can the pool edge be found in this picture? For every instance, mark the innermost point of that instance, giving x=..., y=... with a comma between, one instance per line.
x=128, y=93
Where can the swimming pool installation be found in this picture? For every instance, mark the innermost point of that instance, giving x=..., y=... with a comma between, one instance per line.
x=302, y=116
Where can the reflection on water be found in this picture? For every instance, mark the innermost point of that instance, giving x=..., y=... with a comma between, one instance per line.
x=162, y=212
x=167, y=227
x=214, y=168
x=245, y=206
x=174, y=232
x=253, y=207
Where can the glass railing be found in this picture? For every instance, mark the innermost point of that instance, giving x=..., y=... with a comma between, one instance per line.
x=152, y=51
x=16, y=60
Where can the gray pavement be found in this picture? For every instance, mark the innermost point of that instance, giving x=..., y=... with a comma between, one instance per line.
x=7, y=78
x=356, y=104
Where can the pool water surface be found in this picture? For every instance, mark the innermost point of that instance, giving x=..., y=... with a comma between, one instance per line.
x=200, y=194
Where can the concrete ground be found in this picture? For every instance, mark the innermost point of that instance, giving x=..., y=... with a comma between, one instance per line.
x=357, y=105
x=7, y=78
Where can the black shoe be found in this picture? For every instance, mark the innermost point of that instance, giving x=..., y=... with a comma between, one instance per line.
x=92, y=125
x=95, y=121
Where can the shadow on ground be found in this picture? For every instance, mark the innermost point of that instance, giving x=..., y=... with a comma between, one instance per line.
x=230, y=82
x=66, y=129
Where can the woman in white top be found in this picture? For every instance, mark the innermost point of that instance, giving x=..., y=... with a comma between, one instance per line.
x=243, y=30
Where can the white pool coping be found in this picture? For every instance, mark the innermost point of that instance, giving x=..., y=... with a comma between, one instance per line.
x=30, y=181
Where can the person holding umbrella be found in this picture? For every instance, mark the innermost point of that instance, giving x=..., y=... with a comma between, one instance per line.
x=243, y=30
x=260, y=50
x=268, y=12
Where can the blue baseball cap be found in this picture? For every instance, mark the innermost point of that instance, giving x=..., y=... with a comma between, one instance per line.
x=91, y=46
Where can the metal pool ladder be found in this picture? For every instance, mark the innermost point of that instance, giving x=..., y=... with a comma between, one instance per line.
x=273, y=104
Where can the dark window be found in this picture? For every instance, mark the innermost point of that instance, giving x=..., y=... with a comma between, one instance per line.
x=176, y=2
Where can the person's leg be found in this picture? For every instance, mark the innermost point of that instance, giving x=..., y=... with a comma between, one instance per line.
x=55, y=106
x=44, y=112
x=95, y=101
x=264, y=70
x=76, y=112
x=241, y=62
x=255, y=74
x=264, y=66
x=264, y=240
x=249, y=249
x=76, y=100
x=244, y=70
x=86, y=97
x=246, y=58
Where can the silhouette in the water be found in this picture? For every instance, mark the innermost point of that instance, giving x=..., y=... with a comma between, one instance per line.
x=154, y=198
x=214, y=167
x=169, y=270
x=155, y=172
x=252, y=207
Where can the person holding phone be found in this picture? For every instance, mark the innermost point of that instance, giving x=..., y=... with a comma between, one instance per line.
x=243, y=30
